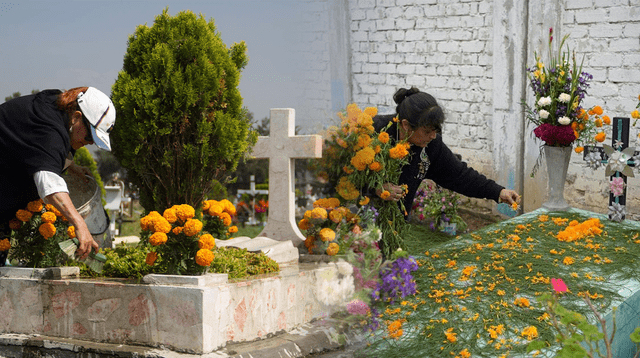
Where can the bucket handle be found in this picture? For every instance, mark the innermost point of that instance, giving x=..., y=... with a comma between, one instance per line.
x=106, y=227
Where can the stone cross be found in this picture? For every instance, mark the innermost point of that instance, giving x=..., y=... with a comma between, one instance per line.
x=253, y=192
x=281, y=148
x=618, y=158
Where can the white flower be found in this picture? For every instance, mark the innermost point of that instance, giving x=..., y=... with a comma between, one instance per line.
x=544, y=114
x=564, y=121
x=564, y=98
x=544, y=101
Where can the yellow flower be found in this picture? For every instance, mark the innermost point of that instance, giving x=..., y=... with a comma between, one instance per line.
x=336, y=216
x=233, y=229
x=363, y=158
x=568, y=260
x=600, y=137
x=373, y=111
x=228, y=207
x=49, y=217
x=364, y=201
x=35, y=206
x=333, y=249
x=170, y=215
x=146, y=222
x=215, y=208
x=151, y=258
x=451, y=336
x=304, y=224
x=465, y=353
x=521, y=302
x=579, y=150
x=385, y=194
x=23, y=215
x=204, y=257
x=160, y=224
x=376, y=166
x=346, y=189
x=635, y=114
x=177, y=230
x=206, y=241
x=5, y=245
x=398, y=152
x=192, y=227
x=530, y=333
x=47, y=230
x=383, y=137
x=158, y=238
x=319, y=213
x=71, y=231
x=606, y=120
x=226, y=218
x=327, y=234
x=185, y=212
x=327, y=203
x=364, y=120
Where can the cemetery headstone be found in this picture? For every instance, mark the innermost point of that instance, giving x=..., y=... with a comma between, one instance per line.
x=252, y=192
x=281, y=148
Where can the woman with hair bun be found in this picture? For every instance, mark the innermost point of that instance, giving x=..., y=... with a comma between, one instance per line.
x=419, y=120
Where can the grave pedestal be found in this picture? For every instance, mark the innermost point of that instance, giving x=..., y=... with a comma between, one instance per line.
x=187, y=314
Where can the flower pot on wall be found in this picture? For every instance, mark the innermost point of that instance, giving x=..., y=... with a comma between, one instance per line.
x=557, y=159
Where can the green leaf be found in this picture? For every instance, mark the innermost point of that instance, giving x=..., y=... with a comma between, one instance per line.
x=635, y=336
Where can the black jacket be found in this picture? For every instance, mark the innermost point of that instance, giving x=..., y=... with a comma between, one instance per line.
x=33, y=137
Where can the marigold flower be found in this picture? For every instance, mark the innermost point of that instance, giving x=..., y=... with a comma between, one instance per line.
x=606, y=120
x=5, y=245
x=157, y=238
x=177, y=230
x=204, y=257
x=600, y=137
x=146, y=222
x=151, y=258
x=398, y=152
x=635, y=114
x=371, y=111
x=160, y=224
x=346, y=189
x=319, y=213
x=597, y=110
x=192, y=227
x=226, y=218
x=568, y=260
x=521, y=302
x=228, y=207
x=579, y=150
x=465, y=353
x=304, y=224
x=309, y=242
x=233, y=229
x=530, y=333
x=206, y=241
x=23, y=215
x=185, y=212
x=35, y=206
x=215, y=208
x=383, y=137
x=327, y=234
x=336, y=216
x=347, y=169
x=598, y=122
x=170, y=215
x=327, y=203
x=376, y=166
x=47, y=230
x=363, y=158
x=48, y=217
x=333, y=249
x=385, y=194
x=451, y=336
x=71, y=231
x=364, y=201
x=14, y=224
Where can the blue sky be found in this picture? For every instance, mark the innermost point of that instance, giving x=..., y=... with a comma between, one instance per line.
x=64, y=44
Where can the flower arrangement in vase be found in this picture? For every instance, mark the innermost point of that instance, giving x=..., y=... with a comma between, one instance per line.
x=558, y=115
x=437, y=206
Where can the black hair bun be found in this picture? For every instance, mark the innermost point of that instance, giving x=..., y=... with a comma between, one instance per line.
x=403, y=93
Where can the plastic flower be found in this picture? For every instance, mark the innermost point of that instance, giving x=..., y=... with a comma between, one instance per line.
x=204, y=257
x=559, y=285
x=47, y=230
x=5, y=245
x=333, y=249
x=157, y=238
x=617, y=186
x=151, y=258
x=192, y=227
x=206, y=241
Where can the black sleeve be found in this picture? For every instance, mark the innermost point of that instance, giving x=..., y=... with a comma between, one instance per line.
x=449, y=172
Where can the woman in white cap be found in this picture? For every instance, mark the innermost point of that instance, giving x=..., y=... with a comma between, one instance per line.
x=39, y=135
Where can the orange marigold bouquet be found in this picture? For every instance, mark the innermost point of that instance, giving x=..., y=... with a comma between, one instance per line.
x=178, y=243
x=36, y=232
x=218, y=217
x=360, y=160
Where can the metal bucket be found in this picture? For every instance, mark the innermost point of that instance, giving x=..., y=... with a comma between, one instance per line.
x=87, y=199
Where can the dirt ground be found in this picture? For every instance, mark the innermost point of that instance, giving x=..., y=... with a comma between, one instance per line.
x=477, y=217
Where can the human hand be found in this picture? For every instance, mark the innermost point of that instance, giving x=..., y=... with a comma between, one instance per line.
x=80, y=171
x=509, y=196
x=87, y=243
x=391, y=192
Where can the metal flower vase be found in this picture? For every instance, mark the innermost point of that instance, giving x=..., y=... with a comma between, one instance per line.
x=557, y=159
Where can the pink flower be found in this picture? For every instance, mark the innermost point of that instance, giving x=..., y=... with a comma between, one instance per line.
x=357, y=307
x=559, y=285
x=617, y=186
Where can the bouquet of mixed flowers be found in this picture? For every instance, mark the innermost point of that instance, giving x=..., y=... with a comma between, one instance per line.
x=559, y=89
x=36, y=232
x=178, y=243
x=361, y=161
x=437, y=206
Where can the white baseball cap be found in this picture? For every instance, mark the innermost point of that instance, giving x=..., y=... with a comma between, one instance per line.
x=101, y=114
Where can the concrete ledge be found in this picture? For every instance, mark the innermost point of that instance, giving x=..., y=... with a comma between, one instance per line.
x=210, y=279
x=51, y=273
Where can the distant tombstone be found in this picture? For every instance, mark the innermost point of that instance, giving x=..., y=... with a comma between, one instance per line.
x=253, y=192
x=281, y=148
